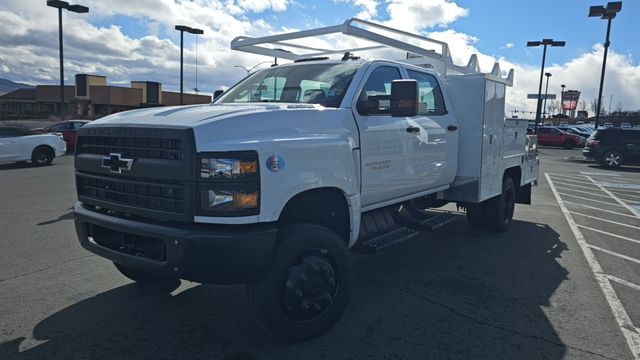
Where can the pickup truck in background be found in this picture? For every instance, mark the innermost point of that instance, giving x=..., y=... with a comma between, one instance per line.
x=274, y=183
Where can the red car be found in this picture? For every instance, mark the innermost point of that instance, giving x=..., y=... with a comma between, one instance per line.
x=67, y=128
x=552, y=136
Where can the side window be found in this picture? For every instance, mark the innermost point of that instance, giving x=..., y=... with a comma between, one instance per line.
x=430, y=98
x=8, y=133
x=60, y=127
x=77, y=125
x=375, y=98
x=543, y=131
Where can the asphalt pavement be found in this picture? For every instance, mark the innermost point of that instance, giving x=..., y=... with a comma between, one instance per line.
x=533, y=292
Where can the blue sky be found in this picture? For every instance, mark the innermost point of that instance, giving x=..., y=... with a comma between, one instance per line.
x=135, y=40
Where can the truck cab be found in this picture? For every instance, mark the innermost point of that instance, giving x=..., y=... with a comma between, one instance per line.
x=294, y=167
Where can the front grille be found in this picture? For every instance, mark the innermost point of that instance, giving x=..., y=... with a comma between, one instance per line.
x=130, y=244
x=168, y=197
x=132, y=147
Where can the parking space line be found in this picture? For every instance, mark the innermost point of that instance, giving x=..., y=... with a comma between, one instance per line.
x=617, y=254
x=599, y=174
x=623, y=181
x=625, y=283
x=579, y=186
x=605, y=220
x=599, y=209
x=571, y=180
x=610, y=234
x=633, y=211
x=580, y=191
x=619, y=313
x=619, y=193
x=598, y=201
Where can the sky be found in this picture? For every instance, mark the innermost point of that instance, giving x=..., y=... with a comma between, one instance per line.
x=135, y=40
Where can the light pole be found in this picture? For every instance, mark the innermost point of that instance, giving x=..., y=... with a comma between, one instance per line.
x=562, y=98
x=74, y=8
x=248, y=70
x=544, y=43
x=544, y=107
x=608, y=13
x=190, y=30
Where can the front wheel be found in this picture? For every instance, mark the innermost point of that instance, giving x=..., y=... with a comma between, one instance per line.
x=42, y=156
x=308, y=285
x=568, y=144
x=611, y=159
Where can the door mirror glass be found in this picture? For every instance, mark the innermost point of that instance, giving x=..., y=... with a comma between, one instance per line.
x=404, y=98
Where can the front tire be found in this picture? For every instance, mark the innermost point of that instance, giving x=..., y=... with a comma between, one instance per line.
x=42, y=156
x=308, y=286
x=611, y=159
x=569, y=144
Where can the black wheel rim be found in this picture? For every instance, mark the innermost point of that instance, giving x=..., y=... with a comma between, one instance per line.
x=310, y=286
x=508, y=206
x=42, y=157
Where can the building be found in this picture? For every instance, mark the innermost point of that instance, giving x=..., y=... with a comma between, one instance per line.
x=89, y=98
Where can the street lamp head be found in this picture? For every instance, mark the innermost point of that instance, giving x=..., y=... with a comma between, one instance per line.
x=196, y=31
x=606, y=12
x=545, y=42
x=58, y=4
x=78, y=9
x=533, y=43
x=558, y=43
x=182, y=28
x=547, y=74
x=189, y=29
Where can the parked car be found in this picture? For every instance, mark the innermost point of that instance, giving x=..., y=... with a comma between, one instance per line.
x=612, y=147
x=625, y=125
x=67, y=128
x=575, y=131
x=608, y=125
x=553, y=136
x=19, y=144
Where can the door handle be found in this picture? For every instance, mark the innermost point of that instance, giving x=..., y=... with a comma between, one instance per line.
x=452, y=128
x=413, y=129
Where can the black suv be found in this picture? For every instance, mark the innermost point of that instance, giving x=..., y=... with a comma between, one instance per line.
x=612, y=147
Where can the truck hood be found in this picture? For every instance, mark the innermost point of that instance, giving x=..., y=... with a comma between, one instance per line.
x=192, y=115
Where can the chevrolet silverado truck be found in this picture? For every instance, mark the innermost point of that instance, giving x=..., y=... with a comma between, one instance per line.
x=276, y=181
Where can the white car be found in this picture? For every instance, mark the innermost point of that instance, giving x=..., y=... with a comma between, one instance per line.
x=20, y=145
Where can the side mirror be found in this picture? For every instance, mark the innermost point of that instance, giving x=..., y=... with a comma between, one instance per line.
x=404, y=98
x=217, y=93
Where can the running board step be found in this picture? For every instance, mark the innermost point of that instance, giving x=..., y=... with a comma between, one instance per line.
x=371, y=246
x=436, y=222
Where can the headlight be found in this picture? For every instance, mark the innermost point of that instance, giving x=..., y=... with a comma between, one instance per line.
x=218, y=168
x=229, y=183
x=225, y=201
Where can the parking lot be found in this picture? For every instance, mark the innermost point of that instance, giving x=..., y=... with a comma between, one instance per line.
x=562, y=283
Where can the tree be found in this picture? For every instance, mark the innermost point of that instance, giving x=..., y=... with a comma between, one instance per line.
x=552, y=106
x=583, y=105
x=618, y=107
x=594, y=106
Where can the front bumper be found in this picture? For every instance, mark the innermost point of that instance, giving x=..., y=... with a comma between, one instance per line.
x=61, y=148
x=590, y=153
x=215, y=254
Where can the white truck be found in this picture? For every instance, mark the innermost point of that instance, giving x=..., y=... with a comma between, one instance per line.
x=279, y=178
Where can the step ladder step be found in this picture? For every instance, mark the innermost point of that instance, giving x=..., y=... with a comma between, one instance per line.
x=372, y=245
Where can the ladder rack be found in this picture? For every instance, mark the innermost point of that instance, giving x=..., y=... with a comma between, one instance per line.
x=273, y=46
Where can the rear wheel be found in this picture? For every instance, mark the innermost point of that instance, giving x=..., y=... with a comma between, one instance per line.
x=611, y=159
x=494, y=214
x=569, y=144
x=308, y=285
x=42, y=156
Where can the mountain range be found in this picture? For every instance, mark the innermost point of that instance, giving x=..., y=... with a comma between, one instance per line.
x=8, y=85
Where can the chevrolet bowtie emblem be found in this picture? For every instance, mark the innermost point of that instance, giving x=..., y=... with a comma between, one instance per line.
x=115, y=163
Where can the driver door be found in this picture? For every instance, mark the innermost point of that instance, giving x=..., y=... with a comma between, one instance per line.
x=383, y=138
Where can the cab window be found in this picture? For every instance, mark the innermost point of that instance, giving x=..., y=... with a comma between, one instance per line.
x=375, y=98
x=430, y=100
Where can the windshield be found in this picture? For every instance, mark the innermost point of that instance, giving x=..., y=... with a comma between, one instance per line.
x=323, y=84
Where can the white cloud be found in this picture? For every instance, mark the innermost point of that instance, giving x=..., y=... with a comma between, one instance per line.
x=29, y=45
x=508, y=45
